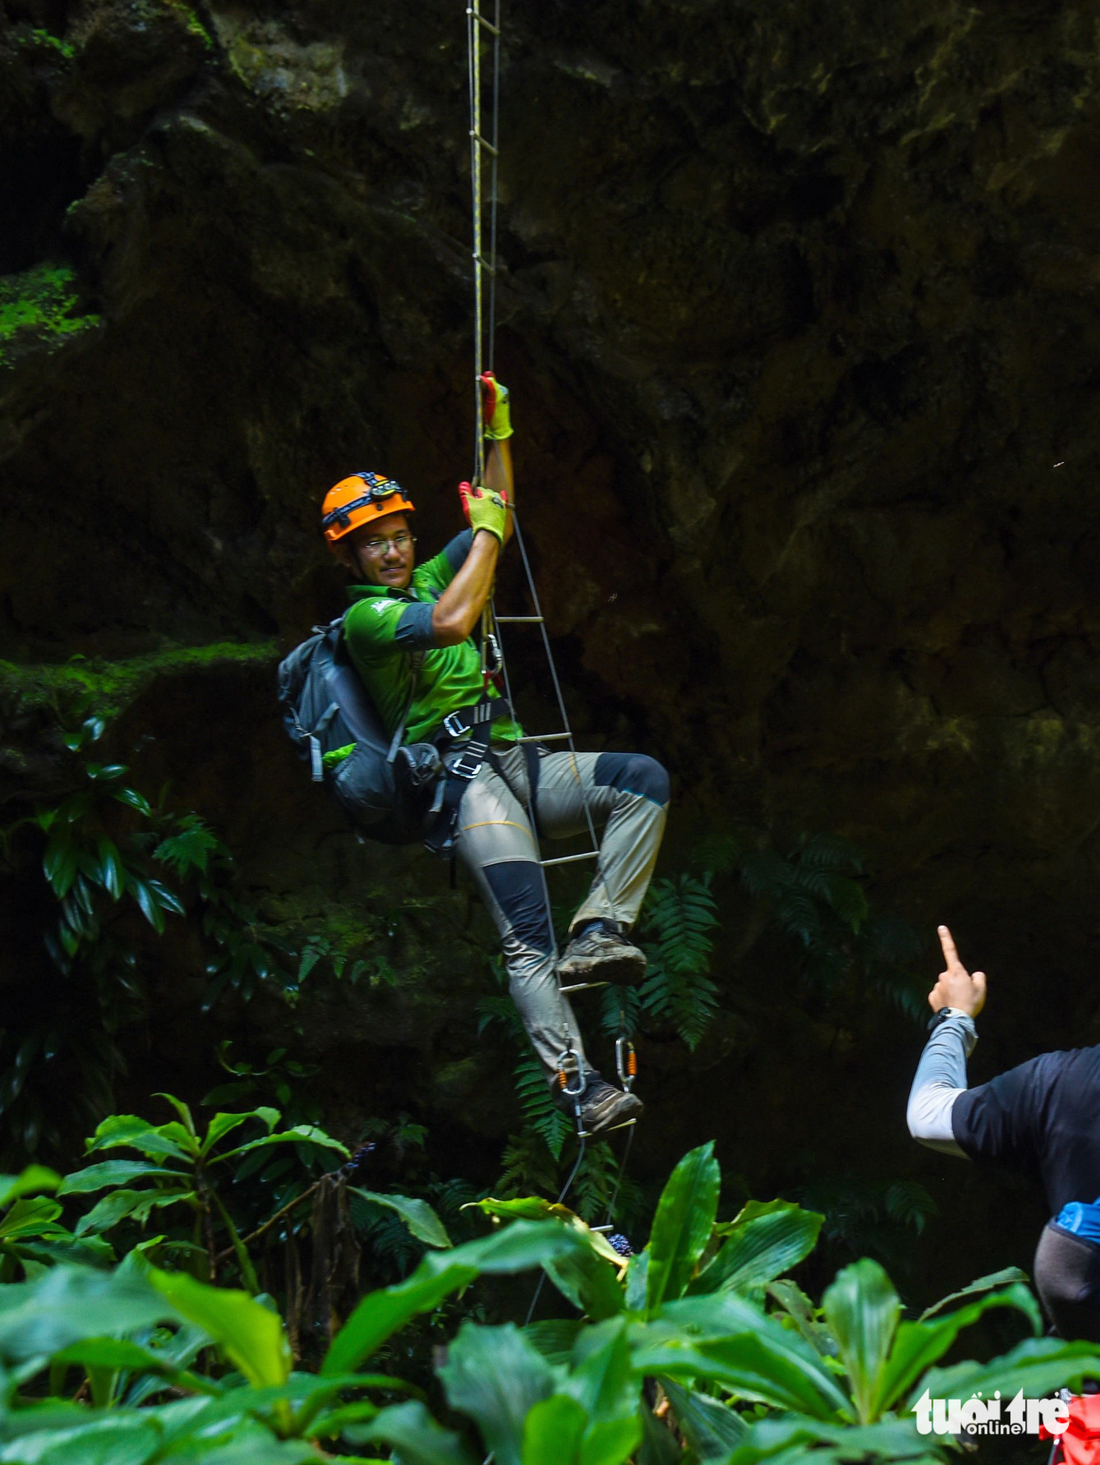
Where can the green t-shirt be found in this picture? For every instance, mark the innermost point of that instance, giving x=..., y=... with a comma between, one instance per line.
x=385, y=625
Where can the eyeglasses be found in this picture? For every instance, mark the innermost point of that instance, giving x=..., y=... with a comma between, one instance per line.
x=400, y=541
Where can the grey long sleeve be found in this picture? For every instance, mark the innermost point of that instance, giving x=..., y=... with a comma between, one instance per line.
x=939, y=1080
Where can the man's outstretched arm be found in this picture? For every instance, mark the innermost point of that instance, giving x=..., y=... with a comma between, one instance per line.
x=941, y=1073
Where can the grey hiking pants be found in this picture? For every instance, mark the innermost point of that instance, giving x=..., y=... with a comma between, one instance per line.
x=628, y=794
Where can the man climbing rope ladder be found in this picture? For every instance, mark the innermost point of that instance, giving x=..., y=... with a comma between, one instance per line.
x=409, y=635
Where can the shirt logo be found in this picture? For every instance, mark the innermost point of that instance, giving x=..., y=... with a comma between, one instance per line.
x=380, y=607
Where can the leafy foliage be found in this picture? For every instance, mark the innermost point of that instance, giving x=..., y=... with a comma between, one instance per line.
x=676, y=926
x=173, y=1369
x=813, y=892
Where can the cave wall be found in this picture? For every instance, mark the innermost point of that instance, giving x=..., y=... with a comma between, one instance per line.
x=798, y=309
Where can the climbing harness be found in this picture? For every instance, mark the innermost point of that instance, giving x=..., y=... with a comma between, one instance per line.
x=494, y=664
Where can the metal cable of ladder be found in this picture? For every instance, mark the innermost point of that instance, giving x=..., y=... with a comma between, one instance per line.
x=484, y=343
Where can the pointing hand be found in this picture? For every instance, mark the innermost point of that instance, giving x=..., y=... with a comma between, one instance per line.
x=956, y=987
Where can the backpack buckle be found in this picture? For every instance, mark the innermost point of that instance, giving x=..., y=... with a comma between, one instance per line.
x=466, y=766
x=453, y=724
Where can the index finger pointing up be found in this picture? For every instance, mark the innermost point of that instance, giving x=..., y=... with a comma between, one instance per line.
x=950, y=954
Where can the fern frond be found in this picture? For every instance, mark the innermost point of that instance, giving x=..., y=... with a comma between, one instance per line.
x=501, y=1009
x=539, y=1112
x=829, y=852
x=619, y=1009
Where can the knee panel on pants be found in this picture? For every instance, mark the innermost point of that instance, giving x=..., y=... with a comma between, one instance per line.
x=519, y=890
x=633, y=773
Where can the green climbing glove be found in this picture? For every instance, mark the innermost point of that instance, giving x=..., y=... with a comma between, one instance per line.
x=484, y=510
x=496, y=409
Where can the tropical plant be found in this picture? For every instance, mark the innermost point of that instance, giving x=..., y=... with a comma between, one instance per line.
x=180, y=1168
x=748, y=1367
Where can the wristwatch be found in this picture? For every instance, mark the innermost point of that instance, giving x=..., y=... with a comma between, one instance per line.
x=942, y=1016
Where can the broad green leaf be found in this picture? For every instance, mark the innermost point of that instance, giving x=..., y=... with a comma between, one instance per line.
x=119, y=1204
x=552, y=1432
x=862, y=1308
x=132, y=799
x=417, y=1215
x=59, y=861
x=514, y=1248
x=602, y=1380
x=110, y=866
x=919, y=1345
x=637, y=1277
x=33, y=1178
x=34, y=1217
x=682, y=1225
x=793, y=1437
x=1038, y=1366
x=251, y=1337
x=300, y=1134
x=182, y=1109
x=381, y=1313
x=119, y=1353
x=494, y=1377
x=588, y=1281
x=762, y=1243
x=554, y=1337
x=104, y=1439
x=70, y=1304
x=414, y=1435
x=762, y=1361
x=535, y=1208
x=116, y=1172
x=803, y=1314
x=332, y=1425
x=982, y=1284
x=712, y=1429
x=610, y=1441
x=137, y=1133
x=223, y=1124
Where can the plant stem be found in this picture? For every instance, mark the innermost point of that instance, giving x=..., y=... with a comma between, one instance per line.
x=267, y=1225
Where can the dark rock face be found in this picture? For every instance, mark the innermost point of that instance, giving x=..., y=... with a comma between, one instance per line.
x=799, y=312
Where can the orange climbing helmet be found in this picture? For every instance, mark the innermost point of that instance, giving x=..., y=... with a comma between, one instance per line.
x=359, y=499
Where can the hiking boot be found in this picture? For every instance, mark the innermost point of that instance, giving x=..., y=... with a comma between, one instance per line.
x=599, y=952
x=603, y=1106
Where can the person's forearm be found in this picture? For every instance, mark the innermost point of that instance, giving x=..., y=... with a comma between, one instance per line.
x=939, y=1080
x=499, y=477
x=456, y=612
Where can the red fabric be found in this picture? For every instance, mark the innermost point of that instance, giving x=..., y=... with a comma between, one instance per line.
x=1081, y=1440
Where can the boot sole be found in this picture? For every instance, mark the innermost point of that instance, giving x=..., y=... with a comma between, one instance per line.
x=621, y=1114
x=622, y=971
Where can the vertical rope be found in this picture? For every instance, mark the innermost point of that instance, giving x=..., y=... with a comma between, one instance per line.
x=493, y=187
x=473, y=40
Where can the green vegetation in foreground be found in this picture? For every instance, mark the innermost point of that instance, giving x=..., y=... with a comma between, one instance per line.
x=148, y=1362
x=110, y=686
x=39, y=305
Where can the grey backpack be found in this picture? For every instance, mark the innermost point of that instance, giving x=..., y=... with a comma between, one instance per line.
x=385, y=789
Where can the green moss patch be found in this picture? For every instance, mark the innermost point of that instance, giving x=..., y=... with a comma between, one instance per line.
x=107, y=687
x=40, y=305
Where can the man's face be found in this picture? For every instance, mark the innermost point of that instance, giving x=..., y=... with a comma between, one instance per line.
x=382, y=551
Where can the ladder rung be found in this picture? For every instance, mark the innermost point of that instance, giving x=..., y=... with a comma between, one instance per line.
x=484, y=141
x=546, y=738
x=488, y=24
x=583, y=986
x=484, y=263
x=519, y=620
x=592, y=854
